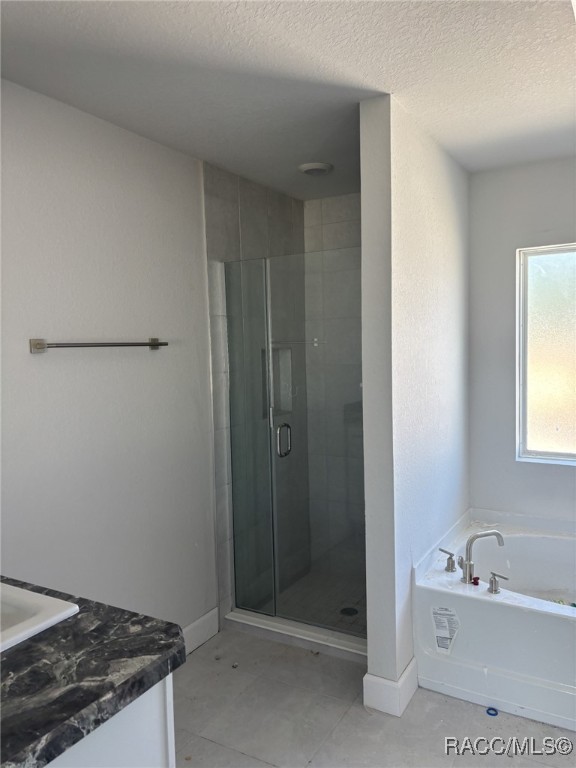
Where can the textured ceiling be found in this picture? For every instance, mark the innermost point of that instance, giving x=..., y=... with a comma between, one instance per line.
x=260, y=87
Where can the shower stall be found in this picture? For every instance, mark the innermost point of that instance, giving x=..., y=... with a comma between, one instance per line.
x=294, y=345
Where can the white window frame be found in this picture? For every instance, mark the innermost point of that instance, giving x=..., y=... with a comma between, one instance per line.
x=522, y=453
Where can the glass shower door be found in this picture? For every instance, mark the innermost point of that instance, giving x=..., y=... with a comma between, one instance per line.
x=296, y=437
x=288, y=419
x=317, y=441
x=246, y=308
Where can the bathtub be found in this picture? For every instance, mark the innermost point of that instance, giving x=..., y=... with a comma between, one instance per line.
x=515, y=650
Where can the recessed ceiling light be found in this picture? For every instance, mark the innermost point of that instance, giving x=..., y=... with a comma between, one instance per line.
x=316, y=169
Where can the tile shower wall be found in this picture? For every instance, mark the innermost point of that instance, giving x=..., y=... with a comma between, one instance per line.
x=244, y=220
x=247, y=221
x=334, y=371
x=221, y=415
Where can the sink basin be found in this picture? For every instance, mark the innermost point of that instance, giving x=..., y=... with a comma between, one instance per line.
x=26, y=613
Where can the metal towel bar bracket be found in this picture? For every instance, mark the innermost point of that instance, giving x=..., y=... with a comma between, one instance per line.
x=41, y=345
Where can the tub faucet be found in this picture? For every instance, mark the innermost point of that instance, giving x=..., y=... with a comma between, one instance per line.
x=467, y=565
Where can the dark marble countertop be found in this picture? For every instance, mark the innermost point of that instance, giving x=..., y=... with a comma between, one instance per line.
x=63, y=683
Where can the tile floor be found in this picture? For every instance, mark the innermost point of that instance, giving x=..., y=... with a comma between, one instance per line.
x=243, y=702
x=336, y=580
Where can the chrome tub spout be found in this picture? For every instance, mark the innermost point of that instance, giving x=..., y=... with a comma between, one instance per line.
x=467, y=564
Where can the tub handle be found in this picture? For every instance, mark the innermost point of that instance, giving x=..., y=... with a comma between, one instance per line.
x=450, y=564
x=494, y=587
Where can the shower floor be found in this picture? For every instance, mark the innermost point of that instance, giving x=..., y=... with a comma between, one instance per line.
x=336, y=581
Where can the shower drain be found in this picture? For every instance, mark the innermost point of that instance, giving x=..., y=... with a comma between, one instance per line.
x=348, y=611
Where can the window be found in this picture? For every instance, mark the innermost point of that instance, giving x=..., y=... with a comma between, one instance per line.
x=546, y=385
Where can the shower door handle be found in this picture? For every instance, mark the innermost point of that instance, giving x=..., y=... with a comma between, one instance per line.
x=282, y=454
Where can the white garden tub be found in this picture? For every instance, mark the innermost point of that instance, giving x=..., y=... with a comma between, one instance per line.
x=515, y=650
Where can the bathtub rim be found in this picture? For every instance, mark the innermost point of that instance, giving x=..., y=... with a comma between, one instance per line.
x=505, y=596
x=434, y=561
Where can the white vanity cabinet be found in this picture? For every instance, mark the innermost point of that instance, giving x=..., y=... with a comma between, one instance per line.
x=139, y=736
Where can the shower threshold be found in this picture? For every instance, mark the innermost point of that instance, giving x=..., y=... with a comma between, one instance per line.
x=294, y=633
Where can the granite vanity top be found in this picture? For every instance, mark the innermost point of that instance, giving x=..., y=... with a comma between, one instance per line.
x=63, y=683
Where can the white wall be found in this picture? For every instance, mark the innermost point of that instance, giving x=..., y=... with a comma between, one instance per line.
x=377, y=389
x=429, y=333
x=107, y=453
x=414, y=354
x=517, y=207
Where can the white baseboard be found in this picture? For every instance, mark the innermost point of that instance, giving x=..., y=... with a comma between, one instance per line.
x=201, y=630
x=391, y=696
